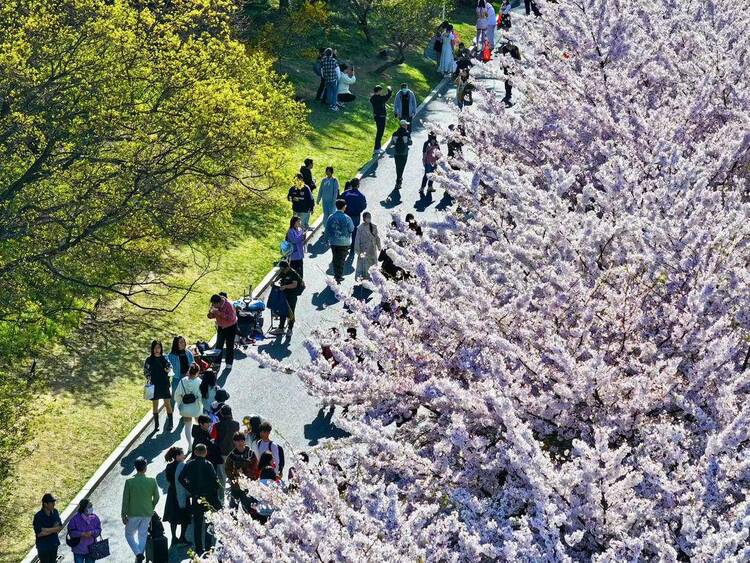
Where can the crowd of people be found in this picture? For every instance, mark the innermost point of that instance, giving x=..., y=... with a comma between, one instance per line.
x=220, y=450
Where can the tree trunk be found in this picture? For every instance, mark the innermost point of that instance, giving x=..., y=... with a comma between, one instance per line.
x=283, y=5
x=389, y=64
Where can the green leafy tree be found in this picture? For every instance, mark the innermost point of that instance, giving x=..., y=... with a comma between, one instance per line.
x=405, y=24
x=126, y=132
x=363, y=11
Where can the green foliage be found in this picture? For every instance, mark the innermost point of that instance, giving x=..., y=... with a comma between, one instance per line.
x=404, y=24
x=279, y=32
x=128, y=133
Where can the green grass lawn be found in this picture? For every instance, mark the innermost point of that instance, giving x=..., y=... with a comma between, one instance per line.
x=94, y=396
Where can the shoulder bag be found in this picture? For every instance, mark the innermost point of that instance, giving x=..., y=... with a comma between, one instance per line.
x=187, y=398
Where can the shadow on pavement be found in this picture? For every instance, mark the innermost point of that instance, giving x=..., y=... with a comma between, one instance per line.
x=361, y=293
x=424, y=201
x=319, y=247
x=323, y=427
x=154, y=446
x=444, y=203
x=393, y=199
x=324, y=299
x=278, y=348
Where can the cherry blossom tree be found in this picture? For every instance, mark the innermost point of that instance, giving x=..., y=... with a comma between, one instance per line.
x=561, y=376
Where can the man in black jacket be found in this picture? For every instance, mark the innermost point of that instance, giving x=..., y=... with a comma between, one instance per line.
x=307, y=177
x=199, y=478
x=378, y=101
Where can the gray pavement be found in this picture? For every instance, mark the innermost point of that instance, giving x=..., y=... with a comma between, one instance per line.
x=299, y=422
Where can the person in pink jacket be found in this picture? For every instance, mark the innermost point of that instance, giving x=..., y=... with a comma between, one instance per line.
x=222, y=311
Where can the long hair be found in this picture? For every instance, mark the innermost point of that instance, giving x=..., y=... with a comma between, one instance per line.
x=172, y=453
x=176, y=345
x=207, y=381
x=154, y=344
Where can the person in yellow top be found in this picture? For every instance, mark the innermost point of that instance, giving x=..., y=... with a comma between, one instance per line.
x=139, y=499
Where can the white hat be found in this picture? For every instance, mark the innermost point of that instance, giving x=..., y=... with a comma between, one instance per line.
x=404, y=122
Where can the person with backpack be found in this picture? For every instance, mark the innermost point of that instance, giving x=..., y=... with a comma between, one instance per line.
x=378, y=101
x=188, y=401
x=156, y=371
x=291, y=283
x=400, y=139
x=296, y=237
x=430, y=156
x=157, y=547
x=300, y=195
x=405, y=106
x=265, y=444
x=83, y=529
x=356, y=203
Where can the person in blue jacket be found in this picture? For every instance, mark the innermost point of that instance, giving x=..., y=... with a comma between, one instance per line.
x=339, y=229
x=356, y=203
x=181, y=359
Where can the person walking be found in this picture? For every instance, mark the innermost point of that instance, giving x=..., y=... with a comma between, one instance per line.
x=356, y=203
x=328, y=194
x=139, y=499
x=302, y=200
x=430, y=156
x=265, y=444
x=367, y=247
x=180, y=358
x=531, y=7
x=176, y=507
x=290, y=282
x=241, y=461
x=447, y=63
x=296, y=237
x=225, y=428
x=378, y=100
x=188, y=401
x=306, y=171
x=47, y=525
x=491, y=23
x=86, y=527
x=156, y=370
x=400, y=140
x=405, y=106
x=199, y=479
x=481, y=11
x=223, y=312
x=329, y=70
x=339, y=229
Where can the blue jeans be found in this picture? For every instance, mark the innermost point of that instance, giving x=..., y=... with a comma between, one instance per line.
x=82, y=558
x=331, y=92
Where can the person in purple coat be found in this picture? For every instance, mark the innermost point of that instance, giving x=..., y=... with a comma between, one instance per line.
x=85, y=526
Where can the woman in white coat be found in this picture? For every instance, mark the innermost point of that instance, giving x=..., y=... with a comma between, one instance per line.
x=188, y=399
x=447, y=63
x=366, y=246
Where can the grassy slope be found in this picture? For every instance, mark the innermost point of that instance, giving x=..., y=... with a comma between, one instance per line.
x=94, y=397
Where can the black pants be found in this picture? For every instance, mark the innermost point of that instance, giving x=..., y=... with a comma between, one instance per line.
x=339, y=257
x=531, y=6
x=291, y=299
x=201, y=538
x=49, y=556
x=297, y=266
x=400, y=165
x=321, y=89
x=408, y=118
x=225, y=339
x=346, y=97
x=380, y=124
x=508, y=91
x=354, y=236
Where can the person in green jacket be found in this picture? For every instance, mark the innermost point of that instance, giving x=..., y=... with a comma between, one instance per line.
x=139, y=500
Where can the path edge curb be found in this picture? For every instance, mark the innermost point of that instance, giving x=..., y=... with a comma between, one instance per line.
x=119, y=451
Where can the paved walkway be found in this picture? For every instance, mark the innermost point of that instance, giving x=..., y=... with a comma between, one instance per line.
x=298, y=420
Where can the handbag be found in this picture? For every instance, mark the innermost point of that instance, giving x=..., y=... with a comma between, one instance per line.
x=222, y=395
x=99, y=549
x=286, y=247
x=71, y=541
x=187, y=398
x=148, y=392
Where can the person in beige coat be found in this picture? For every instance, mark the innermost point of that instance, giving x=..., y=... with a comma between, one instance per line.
x=367, y=247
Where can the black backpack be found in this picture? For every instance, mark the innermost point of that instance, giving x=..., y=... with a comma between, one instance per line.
x=280, y=468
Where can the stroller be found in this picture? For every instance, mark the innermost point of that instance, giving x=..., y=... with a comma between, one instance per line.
x=249, y=320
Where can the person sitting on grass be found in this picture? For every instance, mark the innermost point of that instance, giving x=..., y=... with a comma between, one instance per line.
x=346, y=79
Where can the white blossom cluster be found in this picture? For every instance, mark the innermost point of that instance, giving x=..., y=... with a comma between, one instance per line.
x=562, y=375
